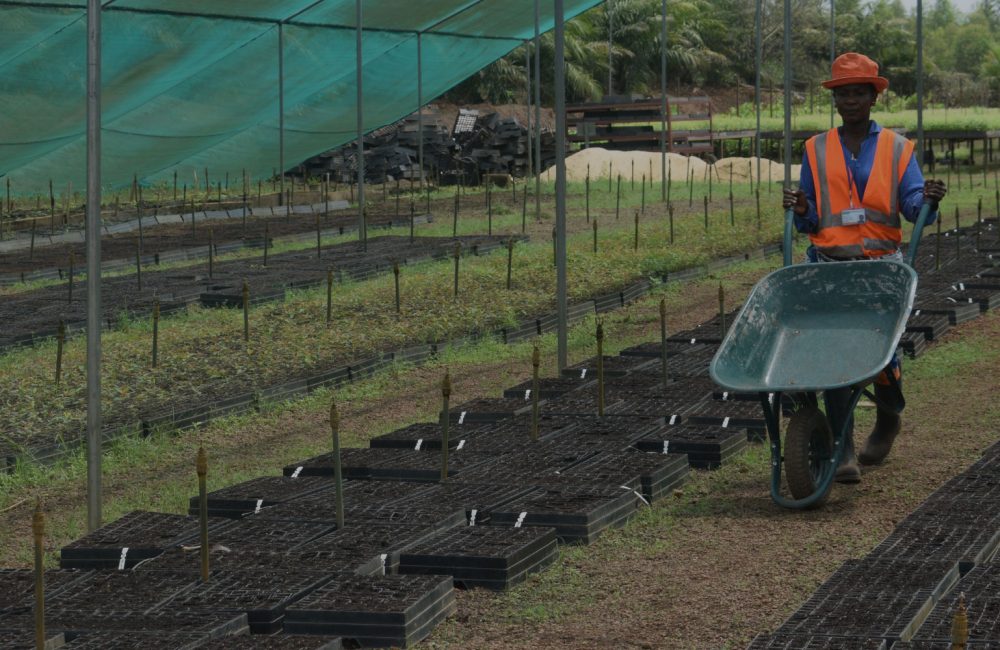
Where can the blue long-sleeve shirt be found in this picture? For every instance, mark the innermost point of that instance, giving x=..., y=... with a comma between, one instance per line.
x=911, y=188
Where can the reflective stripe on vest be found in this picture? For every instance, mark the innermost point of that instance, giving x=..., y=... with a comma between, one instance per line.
x=881, y=232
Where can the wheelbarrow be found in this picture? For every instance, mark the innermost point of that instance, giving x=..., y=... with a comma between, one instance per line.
x=808, y=328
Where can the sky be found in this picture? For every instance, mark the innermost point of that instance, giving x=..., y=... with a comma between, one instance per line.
x=965, y=6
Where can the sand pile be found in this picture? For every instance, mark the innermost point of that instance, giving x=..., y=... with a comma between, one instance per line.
x=602, y=162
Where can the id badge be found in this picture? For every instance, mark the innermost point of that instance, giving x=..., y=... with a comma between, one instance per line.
x=852, y=217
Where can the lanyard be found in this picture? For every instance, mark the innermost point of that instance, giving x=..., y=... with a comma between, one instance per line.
x=850, y=184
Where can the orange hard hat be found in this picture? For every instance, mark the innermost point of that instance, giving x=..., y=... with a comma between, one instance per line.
x=854, y=68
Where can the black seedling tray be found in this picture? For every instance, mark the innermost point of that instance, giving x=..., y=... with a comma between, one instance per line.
x=353, y=463
x=262, y=595
x=260, y=533
x=932, y=326
x=110, y=590
x=709, y=332
x=132, y=538
x=426, y=436
x=615, y=427
x=860, y=613
x=883, y=574
x=380, y=612
x=707, y=447
x=251, y=496
x=913, y=344
x=658, y=473
x=483, y=556
x=25, y=640
x=17, y=586
x=613, y=367
x=547, y=387
x=275, y=642
x=478, y=499
x=579, y=514
x=75, y=622
x=727, y=415
x=987, y=299
x=981, y=587
x=135, y=640
x=371, y=541
x=409, y=465
x=489, y=409
x=221, y=558
x=943, y=645
x=957, y=312
x=929, y=538
x=809, y=642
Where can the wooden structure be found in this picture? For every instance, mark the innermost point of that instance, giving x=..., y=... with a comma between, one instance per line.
x=629, y=123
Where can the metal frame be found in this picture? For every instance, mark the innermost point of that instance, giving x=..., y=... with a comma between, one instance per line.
x=663, y=102
x=560, y=108
x=93, y=228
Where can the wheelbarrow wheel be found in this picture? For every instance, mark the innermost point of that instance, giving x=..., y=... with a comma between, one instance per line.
x=808, y=449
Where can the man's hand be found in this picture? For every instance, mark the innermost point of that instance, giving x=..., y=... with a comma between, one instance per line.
x=934, y=191
x=796, y=199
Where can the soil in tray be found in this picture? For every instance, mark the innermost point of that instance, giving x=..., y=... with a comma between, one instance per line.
x=748, y=415
x=653, y=351
x=135, y=640
x=275, y=642
x=657, y=474
x=579, y=514
x=896, y=576
x=252, y=496
x=613, y=367
x=707, y=447
x=547, y=387
x=387, y=611
x=262, y=594
x=427, y=436
x=388, y=464
x=222, y=558
x=819, y=642
x=708, y=332
x=125, y=618
x=321, y=505
x=111, y=590
x=477, y=499
x=257, y=533
x=857, y=612
x=377, y=544
x=981, y=587
x=483, y=556
x=932, y=326
x=17, y=586
x=25, y=640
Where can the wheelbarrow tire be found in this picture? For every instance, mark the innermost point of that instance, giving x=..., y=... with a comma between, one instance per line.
x=808, y=448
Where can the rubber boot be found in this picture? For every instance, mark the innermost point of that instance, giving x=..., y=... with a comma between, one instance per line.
x=887, y=426
x=837, y=402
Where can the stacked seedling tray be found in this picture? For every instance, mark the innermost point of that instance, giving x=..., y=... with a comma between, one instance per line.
x=131, y=539
x=276, y=642
x=706, y=447
x=254, y=495
x=653, y=475
x=549, y=387
x=489, y=409
x=613, y=367
x=483, y=556
x=380, y=543
x=478, y=499
x=579, y=514
x=981, y=590
x=379, y=612
x=427, y=436
x=818, y=642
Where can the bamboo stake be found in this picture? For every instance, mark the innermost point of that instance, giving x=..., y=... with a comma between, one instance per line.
x=38, y=532
x=458, y=256
x=445, y=421
x=395, y=273
x=510, y=262
x=329, y=295
x=536, y=360
x=60, y=344
x=663, y=342
x=246, y=311
x=156, y=331
x=338, y=475
x=600, y=369
x=201, y=467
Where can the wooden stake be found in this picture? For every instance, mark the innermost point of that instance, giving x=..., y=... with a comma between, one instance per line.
x=663, y=342
x=71, y=261
x=643, y=203
x=138, y=266
x=60, y=344
x=635, y=244
x=706, y=214
x=510, y=262
x=246, y=311
x=329, y=295
x=960, y=625
x=458, y=256
x=600, y=369
x=395, y=273
x=618, y=198
x=201, y=466
x=722, y=312
x=670, y=213
x=595, y=236
x=338, y=475
x=156, y=331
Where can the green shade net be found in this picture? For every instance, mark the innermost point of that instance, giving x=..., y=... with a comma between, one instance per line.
x=193, y=84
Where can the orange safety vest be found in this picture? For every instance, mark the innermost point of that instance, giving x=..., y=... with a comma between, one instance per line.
x=881, y=232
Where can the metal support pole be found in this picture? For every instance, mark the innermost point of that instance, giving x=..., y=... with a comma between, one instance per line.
x=833, y=46
x=538, y=113
x=788, y=93
x=527, y=103
x=611, y=39
x=920, y=83
x=663, y=103
x=759, y=55
x=93, y=265
x=281, y=115
x=560, y=97
x=362, y=230
x=420, y=110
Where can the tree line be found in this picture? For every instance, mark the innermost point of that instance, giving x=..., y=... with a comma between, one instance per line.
x=710, y=43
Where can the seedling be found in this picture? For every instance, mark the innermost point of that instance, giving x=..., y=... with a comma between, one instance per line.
x=201, y=466
x=338, y=475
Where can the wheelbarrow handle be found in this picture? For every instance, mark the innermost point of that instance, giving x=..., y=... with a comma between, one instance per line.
x=787, y=242
x=918, y=231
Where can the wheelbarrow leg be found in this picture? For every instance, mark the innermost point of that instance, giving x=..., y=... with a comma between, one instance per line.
x=840, y=403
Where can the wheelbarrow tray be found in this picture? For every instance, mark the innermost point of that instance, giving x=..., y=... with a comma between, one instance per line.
x=810, y=327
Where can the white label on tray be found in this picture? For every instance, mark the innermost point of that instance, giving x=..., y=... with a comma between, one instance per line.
x=461, y=418
x=666, y=446
x=673, y=419
x=725, y=396
x=583, y=373
x=260, y=502
x=121, y=560
x=770, y=398
x=461, y=443
x=472, y=517
x=725, y=423
x=527, y=395
x=383, y=557
x=916, y=313
x=420, y=442
x=693, y=341
x=952, y=299
x=520, y=519
x=636, y=493
x=298, y=470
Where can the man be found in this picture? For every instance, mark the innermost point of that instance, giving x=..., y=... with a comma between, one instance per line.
x=856, y=180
